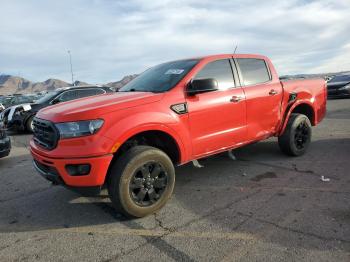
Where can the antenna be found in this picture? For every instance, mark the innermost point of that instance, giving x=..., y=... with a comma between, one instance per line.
x=71, y=67
x=235, y=49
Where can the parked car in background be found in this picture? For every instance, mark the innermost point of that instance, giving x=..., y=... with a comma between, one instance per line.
x=39, y=95
x=5, y=142
x=339, y=86
x=5, y=101
x=17, y=99
x=20, y=117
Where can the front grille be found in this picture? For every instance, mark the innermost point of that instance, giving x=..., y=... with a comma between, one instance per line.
x=45, y=133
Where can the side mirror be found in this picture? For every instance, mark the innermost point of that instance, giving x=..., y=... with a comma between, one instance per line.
x=202, y=86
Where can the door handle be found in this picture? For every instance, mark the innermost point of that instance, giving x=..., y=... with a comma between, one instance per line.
x=235, y=99
x=273, y=92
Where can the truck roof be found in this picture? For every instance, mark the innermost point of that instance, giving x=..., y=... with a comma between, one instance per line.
x=218, y=56
x=78, y=87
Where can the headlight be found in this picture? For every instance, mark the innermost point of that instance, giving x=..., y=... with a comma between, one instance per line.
x=80, y=128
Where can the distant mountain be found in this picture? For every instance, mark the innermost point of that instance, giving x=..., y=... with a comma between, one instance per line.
x=14, y=84
x=80, y=83
x=123, y=82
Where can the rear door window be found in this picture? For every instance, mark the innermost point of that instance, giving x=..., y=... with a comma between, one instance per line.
x=254, y=71
x=219, y=70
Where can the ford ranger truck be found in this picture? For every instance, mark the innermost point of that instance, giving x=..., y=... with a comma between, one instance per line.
x=173, y=113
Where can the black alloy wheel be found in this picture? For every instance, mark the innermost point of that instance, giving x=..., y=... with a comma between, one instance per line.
x=296, y=137
x=141, y=181
x=302, y=134
x=148, y=184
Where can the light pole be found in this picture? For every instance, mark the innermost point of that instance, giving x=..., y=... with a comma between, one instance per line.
x=71, y=67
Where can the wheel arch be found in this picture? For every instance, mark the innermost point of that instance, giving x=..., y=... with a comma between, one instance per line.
x=162, y=138
x=154, y=134
x=304, y=107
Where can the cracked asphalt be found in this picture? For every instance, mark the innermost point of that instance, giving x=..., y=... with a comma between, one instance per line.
x=264, y=206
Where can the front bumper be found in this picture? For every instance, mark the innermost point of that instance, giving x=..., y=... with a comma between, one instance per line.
x=5, y=146
x=16, y=123
x=54, y=170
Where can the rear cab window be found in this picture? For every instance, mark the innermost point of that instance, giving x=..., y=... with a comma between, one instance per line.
x=253, y=71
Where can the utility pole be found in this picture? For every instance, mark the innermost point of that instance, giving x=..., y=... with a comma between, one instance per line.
x=71, y=67
x=235, y=49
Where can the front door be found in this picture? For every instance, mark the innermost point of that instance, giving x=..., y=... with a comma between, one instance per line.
x=218, y=118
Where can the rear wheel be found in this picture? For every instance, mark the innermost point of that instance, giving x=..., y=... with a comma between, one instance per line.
x=297, y=136
x=141, y=181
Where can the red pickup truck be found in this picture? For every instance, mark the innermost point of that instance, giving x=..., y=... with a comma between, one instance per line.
x=172, y=114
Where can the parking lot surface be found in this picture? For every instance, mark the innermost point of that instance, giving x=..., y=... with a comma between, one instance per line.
x=264, y=206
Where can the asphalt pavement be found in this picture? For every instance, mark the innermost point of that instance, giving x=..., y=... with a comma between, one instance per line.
x=263, y=206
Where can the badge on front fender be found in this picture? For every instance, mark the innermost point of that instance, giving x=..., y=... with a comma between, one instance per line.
x=179, y=108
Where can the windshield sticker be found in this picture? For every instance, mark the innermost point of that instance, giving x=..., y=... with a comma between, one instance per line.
x=174, y=71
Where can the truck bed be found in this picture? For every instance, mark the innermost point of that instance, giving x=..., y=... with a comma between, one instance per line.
x=314, y=90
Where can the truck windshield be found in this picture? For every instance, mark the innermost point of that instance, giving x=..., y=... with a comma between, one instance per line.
x=160, y=78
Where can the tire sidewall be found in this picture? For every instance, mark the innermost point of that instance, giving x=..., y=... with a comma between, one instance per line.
x=299, y=119
x=29, y=124
x=124, y=192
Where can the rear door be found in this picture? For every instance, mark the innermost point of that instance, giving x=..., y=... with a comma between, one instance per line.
x=263, y=97
x=217, y=119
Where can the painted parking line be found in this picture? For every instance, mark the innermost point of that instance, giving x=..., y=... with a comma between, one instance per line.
x=158, y=233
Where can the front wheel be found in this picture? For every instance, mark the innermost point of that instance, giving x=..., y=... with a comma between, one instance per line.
x=29, y=124
x=297, y=136
x=141, y=181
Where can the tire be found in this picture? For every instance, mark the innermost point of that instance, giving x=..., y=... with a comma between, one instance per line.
x=130, y=185
x=297, y=136
x=29, y=124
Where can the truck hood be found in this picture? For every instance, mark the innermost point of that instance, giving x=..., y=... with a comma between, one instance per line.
x=96, y=106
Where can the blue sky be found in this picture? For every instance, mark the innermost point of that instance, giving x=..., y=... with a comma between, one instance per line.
x=109, y=38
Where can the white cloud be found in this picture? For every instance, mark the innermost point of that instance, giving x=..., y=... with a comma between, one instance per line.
x=109, y=39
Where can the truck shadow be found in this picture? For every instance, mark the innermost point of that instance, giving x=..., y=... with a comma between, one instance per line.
x=249, y=195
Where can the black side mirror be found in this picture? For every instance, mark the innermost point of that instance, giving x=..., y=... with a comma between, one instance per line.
x=202, y=85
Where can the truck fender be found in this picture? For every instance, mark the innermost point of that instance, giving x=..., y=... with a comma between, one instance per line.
x=171, y=124
x=152, y=127
x=289, y=111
